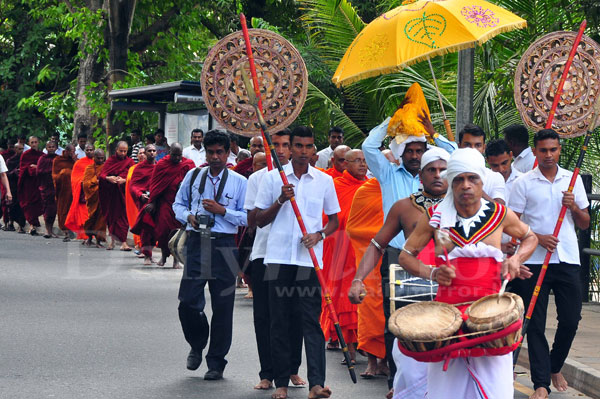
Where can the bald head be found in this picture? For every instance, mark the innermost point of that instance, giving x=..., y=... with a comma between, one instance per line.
x=256, y=145
x=34, y=142
x=89, y=150
x=69, y=152
x=150, y=152
x=339, y=160
x=99, y=156
x=176, y=153
x=259, y=161
x=356, y=164
x=122, y=148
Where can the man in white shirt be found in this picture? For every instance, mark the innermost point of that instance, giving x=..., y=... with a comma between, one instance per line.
x=293, y=284
x=56, y=138
x=260, y=285
x=234, y=149
x=81, y=142
x=472, y=136
x=195, y=152
x=517, y=138
x=538, y=197
x=4, y=180
x=499, y=157
x=335, y=138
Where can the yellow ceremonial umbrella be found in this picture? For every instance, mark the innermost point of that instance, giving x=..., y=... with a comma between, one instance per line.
x=419, y=30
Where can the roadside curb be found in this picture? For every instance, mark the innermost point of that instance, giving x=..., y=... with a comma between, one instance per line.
x=583, y=378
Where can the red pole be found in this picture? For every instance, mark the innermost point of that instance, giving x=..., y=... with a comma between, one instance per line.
x=299, y=219
x=255, y=83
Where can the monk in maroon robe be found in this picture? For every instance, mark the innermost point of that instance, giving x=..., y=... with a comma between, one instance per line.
x=168, y=174
x=29, y=193
x=61, y=175
x=112, y=181
x=244, y=167
x=139, y=188
x=46, y=187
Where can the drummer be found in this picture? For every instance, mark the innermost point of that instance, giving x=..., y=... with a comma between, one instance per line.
x=474, y=226
x=403, y=217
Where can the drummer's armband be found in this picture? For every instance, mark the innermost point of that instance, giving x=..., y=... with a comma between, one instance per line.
x=409, y=252
x=376, y=245
x=526, y=234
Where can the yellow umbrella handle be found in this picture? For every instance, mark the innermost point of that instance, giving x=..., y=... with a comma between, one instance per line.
x=448, y=130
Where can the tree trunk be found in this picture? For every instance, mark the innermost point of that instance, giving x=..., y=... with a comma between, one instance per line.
x=90, y=70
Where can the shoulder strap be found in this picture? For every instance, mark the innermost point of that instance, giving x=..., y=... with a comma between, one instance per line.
x=221, y=184
x=194, y=175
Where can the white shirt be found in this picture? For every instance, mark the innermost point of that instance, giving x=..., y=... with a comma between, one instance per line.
x=315, y=195
x=494, y=185
x=3, y=168
x=539, y=201
x=524, y=161
x=80, y=153
x=231, y=158
x=59, y=150
x=514, y=174
x=259, y=248
x=324, y=157
x=196, y=155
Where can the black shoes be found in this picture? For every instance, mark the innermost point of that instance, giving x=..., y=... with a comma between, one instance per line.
x=194, y=360
x=213, y=375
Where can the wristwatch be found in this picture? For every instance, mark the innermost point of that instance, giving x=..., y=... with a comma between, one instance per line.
x=323, y=236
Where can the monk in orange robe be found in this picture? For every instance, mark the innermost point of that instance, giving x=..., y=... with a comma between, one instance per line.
x=403, y=217
x=130, y=206
x=78, y=213
x=28, y=187
x=112, y=195
x=95, y=225
x=338, y=161
x=61, y=176
x=338, y=256
x=364, y=221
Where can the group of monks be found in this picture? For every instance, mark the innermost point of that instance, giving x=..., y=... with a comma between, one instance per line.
x=92, y=194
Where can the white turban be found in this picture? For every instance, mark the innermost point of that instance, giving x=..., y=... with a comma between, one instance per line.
x=463, y=160
x=434, y=154
x=398, y=149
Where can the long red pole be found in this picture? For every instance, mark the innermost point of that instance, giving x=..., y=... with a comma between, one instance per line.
x=299, y=219
x=255, y=83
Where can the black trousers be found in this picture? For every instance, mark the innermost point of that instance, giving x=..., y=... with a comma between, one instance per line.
x=221, y=285
x=390, y=256
x=563, y=280
x=262, y=324
x=294, y=292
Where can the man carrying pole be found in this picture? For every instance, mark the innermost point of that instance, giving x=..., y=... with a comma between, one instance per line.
x=293, y=282
x=538, y=197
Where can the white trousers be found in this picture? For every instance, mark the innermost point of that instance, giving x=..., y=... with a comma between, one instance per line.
x=410, y=381
x=486, y=377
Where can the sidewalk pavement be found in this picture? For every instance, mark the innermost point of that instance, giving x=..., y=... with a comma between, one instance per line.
x=582, y=368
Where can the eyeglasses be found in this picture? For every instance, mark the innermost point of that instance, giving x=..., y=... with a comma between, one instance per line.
x=359, y=160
